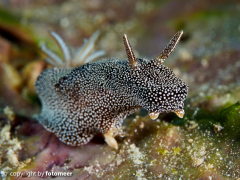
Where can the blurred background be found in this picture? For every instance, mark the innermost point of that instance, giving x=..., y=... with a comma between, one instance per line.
x=207, y=58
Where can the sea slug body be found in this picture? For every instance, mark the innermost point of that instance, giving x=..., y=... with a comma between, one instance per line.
x=96, y=97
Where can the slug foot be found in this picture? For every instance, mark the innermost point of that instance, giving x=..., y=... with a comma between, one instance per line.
x=109, y=138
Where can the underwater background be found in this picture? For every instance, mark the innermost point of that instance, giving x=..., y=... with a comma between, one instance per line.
x=204, y=144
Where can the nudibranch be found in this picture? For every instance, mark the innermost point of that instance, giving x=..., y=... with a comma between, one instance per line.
x=78, y=102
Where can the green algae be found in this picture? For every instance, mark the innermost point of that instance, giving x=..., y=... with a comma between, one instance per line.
x=176, y=151
x=230, y=118
x=7, y=17
x=162, y=151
